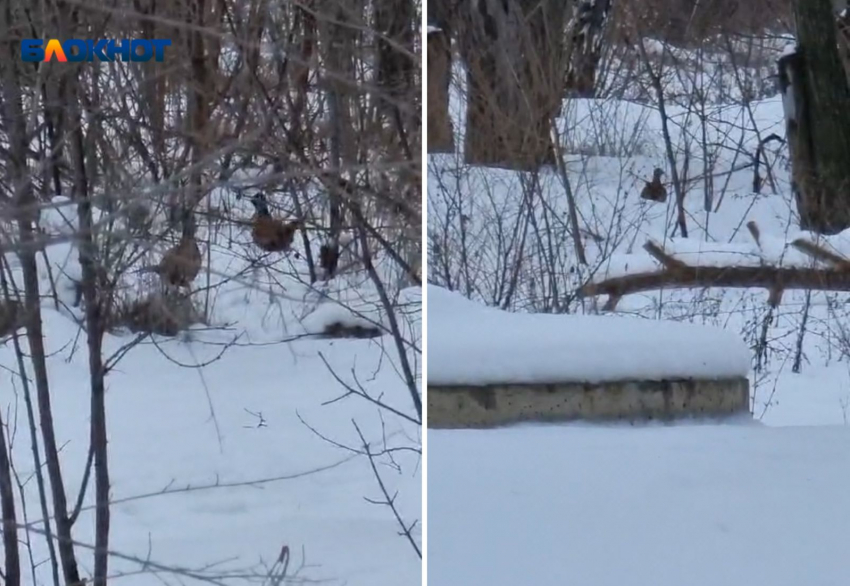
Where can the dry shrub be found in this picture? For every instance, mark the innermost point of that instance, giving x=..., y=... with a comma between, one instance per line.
x=684, y=22
x=166, y=314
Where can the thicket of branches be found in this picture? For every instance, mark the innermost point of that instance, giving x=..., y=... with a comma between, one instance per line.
x=315, y=103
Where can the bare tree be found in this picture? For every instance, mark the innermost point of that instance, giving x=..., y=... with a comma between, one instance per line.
x=586, y=33
x=513, y=52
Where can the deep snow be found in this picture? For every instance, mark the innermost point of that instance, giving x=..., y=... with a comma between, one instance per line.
x=236, y=432
x=469, y=343
x=735, y=504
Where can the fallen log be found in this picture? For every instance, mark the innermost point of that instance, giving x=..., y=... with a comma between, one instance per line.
x=674, y=273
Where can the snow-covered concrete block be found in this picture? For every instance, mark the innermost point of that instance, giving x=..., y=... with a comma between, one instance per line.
x=470, y=344
x=488, y=367
x=497, y=405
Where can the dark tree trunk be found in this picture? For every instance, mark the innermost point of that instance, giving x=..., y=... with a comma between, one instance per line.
x=440, y=130
x=203, y=59
x=300, y=73
x=25, y=204
x=95, y=304
x=439, y=63
x=12, y=569
x=337, y=35
x=152, y=83
x=816, y=96
x=396, y=68
x=513, y=51
x=585, y=31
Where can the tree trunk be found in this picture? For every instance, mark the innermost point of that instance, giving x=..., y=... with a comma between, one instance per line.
x=300, y=74
x=585, y=32
x=152, y=77
x=513, y=51
x=25, y=205
x=95, y=299
x=396, y=67
x=440, y=130
x=12, y=570
x=816, y=95
x=439, y=63
x=203, y=59
x=336, y=27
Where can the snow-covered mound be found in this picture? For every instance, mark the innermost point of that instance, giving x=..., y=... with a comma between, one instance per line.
x=472, y=344
x=330, y=314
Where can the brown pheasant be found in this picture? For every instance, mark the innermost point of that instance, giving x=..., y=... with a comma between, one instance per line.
x=654, y=190
x=181, y=264
x=271, y=234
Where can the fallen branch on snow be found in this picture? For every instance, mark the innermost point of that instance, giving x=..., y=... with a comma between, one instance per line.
x=674, y=272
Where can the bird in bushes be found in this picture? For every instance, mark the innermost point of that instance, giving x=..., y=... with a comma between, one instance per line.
x=329, y=258
x=269, y=233
x=11, y=317
x=654, y=190
x=181, y=263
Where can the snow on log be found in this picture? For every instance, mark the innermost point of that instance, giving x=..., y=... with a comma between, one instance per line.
x=806, y=262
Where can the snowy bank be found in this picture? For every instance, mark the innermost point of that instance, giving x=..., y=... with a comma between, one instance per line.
x=470, y=344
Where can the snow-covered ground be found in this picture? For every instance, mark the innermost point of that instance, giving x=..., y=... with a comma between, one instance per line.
x=735, y=504
x=732, y=501
x=216, y=468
